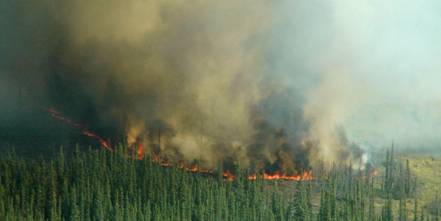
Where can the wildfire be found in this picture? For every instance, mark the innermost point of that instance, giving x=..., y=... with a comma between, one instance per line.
x=305, y=176
x=193, y=168
x=228, y=175
x=140, y=151
x=374, y=173
x=95, y=136
x=86, y=132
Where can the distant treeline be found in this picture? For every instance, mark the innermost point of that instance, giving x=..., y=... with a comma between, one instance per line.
x=103, y=185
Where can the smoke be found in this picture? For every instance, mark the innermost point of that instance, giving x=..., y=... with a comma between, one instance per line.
x=369, y=67
x=281, y=84
x=183, y=77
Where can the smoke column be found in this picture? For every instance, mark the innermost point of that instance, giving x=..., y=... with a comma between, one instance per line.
x=370, y=67
x=285, y=84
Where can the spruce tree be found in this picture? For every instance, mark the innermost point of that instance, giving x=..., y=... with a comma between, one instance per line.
x=415, y=210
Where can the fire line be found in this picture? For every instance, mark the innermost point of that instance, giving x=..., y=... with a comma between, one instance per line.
x=86, y=132
x=305, y=176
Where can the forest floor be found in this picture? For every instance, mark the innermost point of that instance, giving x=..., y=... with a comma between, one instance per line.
x=427, y=169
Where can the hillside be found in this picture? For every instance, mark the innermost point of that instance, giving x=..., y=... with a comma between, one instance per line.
x=103, y=185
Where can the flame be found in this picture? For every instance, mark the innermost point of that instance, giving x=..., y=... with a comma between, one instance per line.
x=86, y=132
x=228, y=175
x=279, y=176
x=140, y=151
x=305, y=176
x=95, y=136
x=193, y=168
x=375, y=173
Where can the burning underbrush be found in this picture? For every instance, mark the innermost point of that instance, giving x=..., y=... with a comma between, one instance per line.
x=285, y=162
x=229, y=175
x=263, y=170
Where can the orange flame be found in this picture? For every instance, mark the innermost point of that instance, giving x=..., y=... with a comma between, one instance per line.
x=86, y=132
x=95, y=136
x=375, y=173
x=194, y=168
x=140, y=151
x=305, y=176
x=228, y=175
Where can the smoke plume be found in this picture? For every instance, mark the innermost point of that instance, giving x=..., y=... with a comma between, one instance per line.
x=283, y=84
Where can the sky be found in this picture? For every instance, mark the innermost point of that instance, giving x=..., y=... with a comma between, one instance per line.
x=374, y=62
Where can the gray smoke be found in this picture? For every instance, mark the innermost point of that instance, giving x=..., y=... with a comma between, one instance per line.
x=286, y=83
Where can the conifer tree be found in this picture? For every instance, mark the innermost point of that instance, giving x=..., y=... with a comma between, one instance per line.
x=415, y=210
